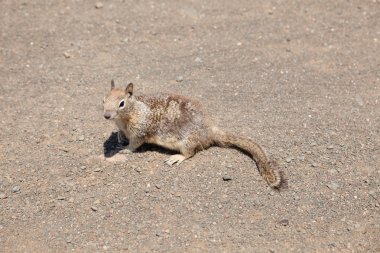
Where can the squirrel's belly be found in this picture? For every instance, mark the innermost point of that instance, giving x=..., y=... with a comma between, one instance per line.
x=166, y=142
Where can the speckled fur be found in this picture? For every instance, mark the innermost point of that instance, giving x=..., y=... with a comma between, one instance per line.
x=177, y=123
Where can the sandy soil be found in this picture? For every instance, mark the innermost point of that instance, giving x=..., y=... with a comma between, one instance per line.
x=301, y=78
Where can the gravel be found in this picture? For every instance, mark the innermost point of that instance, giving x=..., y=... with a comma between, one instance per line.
x=302, y=82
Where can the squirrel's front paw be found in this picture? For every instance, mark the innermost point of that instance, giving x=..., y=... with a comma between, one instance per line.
x=127, y=150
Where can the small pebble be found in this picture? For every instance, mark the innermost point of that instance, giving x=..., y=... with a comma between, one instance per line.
x=94, y=208
x=69, y=239
x=227, y=178
x=198, y=60
x=296, y=197
x=372, y=192
x=66, y=55
x=147, y=189
x=82, y=167
x=97, y=170
x=3, y=196
x=138, y=169
x=179, y=79
x=359, y=100
x=98, y=5
x=333, y=185
x=288, y=160
x=301, y=158
x=330, y=147
x=81, y=138
x=284, y=222
x=61, y=198
x=333, y=245
x=16, y=189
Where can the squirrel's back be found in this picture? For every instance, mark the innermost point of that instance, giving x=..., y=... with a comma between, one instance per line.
x=173, y=118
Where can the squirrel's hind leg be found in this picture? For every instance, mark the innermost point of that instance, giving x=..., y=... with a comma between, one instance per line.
x=179, y=158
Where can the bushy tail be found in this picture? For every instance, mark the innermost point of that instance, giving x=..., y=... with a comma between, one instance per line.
x=266, y=168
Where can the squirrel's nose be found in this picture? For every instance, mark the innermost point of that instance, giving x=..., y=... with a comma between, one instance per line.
x=107, y=115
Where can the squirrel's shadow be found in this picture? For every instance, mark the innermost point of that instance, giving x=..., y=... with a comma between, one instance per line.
x=112, y=147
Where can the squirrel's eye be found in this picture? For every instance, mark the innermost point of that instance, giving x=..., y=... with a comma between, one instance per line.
x=121, y=104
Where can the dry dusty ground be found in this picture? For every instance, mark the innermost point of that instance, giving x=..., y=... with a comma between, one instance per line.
x=299, y=77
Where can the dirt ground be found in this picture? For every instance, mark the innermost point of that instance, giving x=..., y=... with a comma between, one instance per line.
x=302, y=78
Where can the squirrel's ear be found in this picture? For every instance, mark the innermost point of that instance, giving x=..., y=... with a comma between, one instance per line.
x=129, y=89
x=112, y=84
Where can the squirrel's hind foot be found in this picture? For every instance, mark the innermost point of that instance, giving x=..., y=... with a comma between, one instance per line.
x=175, y=159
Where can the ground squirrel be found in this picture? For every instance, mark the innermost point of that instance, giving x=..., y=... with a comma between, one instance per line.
x=177, y=123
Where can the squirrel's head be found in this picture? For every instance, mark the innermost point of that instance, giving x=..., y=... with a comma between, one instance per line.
x=117, y=101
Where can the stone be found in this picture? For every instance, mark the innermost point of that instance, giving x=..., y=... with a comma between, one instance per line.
x=179, y=79
x=66, y=55
x=16, y=189
x=301, y=158
x=359, y=100
x=284, y=222
x=98, y=5
x=333, y=185
x=227, y=178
